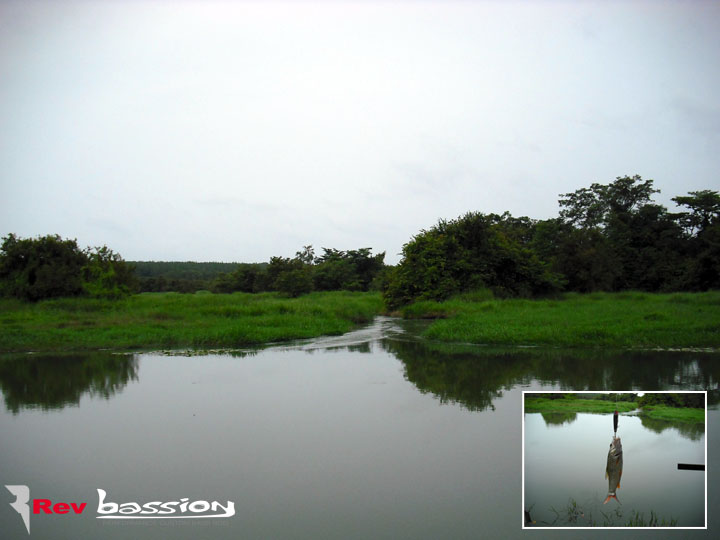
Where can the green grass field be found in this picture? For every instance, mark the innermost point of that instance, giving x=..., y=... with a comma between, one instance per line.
x=674, y=414
x=580, y=405
x=172, y=320
x=541, y=404
x=623, y=320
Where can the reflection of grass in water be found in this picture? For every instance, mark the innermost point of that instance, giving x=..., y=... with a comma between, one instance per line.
x=574, y=515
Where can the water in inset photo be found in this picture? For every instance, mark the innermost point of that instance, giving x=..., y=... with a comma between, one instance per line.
x=614, y=460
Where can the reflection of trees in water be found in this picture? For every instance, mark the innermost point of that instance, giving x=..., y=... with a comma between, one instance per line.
x=363, y=347
x=455, y=375
x=53, y=382
x=627, y=370
x=559, y=418
x=474, y=376
x=692, y=431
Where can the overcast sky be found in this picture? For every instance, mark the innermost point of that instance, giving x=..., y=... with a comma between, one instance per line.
x=234, y=131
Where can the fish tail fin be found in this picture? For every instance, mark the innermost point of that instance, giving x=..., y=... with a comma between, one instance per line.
x=613, y=496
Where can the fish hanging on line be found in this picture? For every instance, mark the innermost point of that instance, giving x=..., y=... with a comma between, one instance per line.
x=614, y=468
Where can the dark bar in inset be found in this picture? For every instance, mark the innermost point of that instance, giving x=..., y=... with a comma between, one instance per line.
x=690, y=467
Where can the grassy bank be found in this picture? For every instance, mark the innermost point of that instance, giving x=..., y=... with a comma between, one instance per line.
x=674, y=414
x=626, y=320
x=577, y=405
x=580, y=405
x=171, y=320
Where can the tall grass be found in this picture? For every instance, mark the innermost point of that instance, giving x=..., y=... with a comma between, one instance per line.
x=171, y=320
x=626, y=320
x=675, y=414
x=578, y=405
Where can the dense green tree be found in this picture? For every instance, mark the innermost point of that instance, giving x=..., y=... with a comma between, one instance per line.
x=353, y=270
x=107, y=275
x=694, y=400
x=184, y=276
x=245, y=279
x=704, y=210
x=295, y=282
x=600, y=204
x=43, y=267
x=279, y=266
x=306, y=255
x=48, y=266
x=616, y=238
x=704, y=267
x=702, y=226
x=582, y=256
x=473, y=251
x=337, y=274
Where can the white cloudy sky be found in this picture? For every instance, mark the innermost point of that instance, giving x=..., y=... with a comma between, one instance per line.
x=233, y=131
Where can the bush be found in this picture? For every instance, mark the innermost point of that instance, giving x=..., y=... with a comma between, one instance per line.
x=471, y=253
x=48, y=267
x=43, y=267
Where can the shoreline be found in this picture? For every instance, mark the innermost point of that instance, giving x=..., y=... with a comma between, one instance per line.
x=686, y=322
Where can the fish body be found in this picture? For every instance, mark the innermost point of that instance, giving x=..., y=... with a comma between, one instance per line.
x=614, y=468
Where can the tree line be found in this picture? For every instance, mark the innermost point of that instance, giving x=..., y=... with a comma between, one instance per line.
x=352, y=270
x=607, y=237
x=180, y=276
x=46, y=267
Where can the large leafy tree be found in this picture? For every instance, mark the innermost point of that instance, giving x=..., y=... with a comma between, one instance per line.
x=43, y=267
x=107, y=275
x=614, y=237
x=48, y=266
x=352, y=270
x=473, y=251
x=704, y=210
x=602, y=204
x=702, y=225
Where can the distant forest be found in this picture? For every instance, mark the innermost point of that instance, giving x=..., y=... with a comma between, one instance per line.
x=607, y=237
x=162, y=276
x=353, y=270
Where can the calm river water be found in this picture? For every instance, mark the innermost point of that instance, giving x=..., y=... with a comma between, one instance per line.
x=566, y=460
x=375, y=434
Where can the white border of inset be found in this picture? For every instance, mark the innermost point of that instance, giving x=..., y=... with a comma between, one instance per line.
x=522, y=412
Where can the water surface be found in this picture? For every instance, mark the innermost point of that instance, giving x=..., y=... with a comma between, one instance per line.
x=376, y=434
x=565, y=465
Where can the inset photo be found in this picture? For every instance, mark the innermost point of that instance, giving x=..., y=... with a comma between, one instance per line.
x=621, y=459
